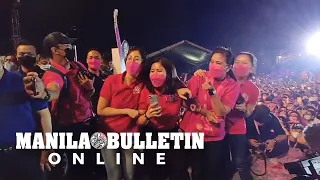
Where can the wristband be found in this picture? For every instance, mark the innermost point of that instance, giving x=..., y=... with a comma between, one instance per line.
x=48, y=95
x=145, y=115
x=275, y=141
x=148, y=119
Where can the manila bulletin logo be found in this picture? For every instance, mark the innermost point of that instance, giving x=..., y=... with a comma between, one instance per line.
x=99, y=140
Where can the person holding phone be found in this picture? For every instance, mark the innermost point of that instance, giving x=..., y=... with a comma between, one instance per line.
x=159, y=105
x=118, y=108
x=216, y=92
x=244, y=68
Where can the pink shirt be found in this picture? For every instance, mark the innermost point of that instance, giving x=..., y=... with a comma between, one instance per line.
x=170, y=106
x=121, y=96
x=228, y=91
x=237, y=123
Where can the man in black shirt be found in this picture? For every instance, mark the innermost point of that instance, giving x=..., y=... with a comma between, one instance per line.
x=94, y=61
x=264, y=131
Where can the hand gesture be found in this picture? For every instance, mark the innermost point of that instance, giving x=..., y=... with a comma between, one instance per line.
x=84, y=81
x=183, y=92
x=200, y=73
x=213, y=118
x=32, y=83
x=254, y=143
x=241, y=107
x=207, y=85
x=270, y=144
x=153, y=111
x=44, y=162
x=133, y=113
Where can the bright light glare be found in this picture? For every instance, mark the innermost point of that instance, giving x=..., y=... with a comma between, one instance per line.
x=313, y=45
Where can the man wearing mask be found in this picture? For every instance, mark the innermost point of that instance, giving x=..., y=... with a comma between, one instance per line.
x=94, y=61
x=69, y=89
x=43, y=62
x=27, y=55
x=17, y=115
x=11, y=63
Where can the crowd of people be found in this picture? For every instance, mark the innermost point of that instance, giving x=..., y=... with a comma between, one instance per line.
x=245, y=119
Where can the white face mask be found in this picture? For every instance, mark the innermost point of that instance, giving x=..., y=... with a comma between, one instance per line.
x=45, y=67
x=9, y=66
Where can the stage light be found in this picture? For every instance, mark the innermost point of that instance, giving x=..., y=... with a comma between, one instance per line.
x=313, y=45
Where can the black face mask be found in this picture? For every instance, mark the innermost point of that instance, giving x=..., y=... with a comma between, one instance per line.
x=70, y=54
x=27, y=61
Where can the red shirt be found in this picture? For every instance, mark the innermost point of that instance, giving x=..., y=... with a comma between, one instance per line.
x=237, y=125
x=121, y=96
x=74, y=108
x=228, y=91
x=170, y=106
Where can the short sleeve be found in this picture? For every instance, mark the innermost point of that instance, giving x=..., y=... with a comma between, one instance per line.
x=193, y=85
x=106, y=91
x=254, y=97
x=38, y=105
x=51, y=77
x=144, y=99
x=230, y=97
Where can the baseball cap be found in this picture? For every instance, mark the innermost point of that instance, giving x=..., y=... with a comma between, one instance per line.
x=55, y=38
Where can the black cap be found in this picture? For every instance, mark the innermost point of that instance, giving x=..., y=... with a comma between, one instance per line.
x=55, y=38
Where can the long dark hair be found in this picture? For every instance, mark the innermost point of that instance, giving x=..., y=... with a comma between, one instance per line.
x=229, y=58
x=140, y=77
x=172, y=82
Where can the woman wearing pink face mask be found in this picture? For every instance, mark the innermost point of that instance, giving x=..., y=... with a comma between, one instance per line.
x=216, y=93
x=118, y=108
x=160, y=107
x=244, y=67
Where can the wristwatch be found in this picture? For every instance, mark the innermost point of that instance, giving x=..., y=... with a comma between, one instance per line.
x=212, y=92
x=48, y=95
x=275, y=141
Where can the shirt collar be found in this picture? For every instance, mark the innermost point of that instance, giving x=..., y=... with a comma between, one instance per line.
x=59, y=67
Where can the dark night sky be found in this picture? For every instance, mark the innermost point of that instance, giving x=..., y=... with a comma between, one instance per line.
x=261, y=26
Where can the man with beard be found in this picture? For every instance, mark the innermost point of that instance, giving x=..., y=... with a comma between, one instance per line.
x=27, y=55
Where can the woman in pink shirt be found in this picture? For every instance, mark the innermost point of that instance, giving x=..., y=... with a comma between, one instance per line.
x=216, y=94
x=160, y=105
x=244, y=67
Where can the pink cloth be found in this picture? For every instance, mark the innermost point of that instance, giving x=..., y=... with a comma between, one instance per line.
x=275, y=167
x=228, y=90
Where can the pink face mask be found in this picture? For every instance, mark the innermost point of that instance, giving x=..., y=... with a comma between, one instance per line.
x=217, y=71
x=241, y=70
x=133, y=68
x=157, y=80
x=94, y=64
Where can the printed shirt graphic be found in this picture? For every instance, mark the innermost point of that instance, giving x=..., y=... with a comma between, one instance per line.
x=227, y=90
x=120, y=96
x=170, y=106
